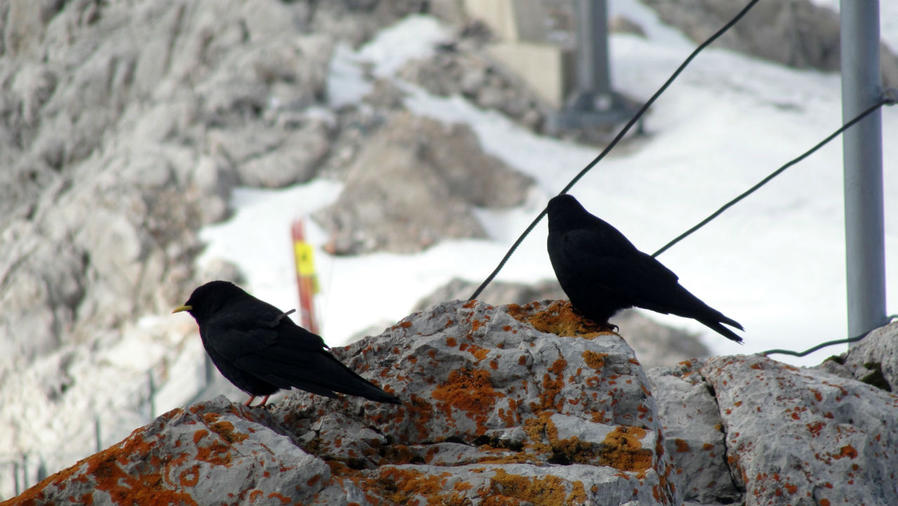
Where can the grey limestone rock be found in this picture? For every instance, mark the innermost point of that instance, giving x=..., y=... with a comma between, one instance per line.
x=493, y=407
x=523, y=404
x=797, y=33
x=414, y=183
x=655, y=344
x=804, y=436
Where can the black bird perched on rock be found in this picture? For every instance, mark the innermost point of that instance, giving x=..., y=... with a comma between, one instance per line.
x=602, y=272
x=259, y=349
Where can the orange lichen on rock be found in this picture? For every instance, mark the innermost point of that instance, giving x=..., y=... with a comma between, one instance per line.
x=622, y=449
x=224, y=429
x=508, y=488
x=400, y=486
x=594, y=359
x=846, y=451
x=478, y=352
x=552, y=387
x=469, y=391
x=105, y=471
x=557, y=318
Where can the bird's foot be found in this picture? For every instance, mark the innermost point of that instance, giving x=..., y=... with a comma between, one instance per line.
x=605, y=326
x=253, y=397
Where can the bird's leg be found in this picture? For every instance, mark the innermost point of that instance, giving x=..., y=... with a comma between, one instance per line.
x=264, y=400
x=250, y=400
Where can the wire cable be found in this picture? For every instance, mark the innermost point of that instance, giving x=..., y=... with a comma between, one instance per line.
x=617, y=138
x=772, y=175
x=834, y=342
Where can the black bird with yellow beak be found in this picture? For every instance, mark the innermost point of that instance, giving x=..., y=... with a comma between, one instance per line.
x=259, y=349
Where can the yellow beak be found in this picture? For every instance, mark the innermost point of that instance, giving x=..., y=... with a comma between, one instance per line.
x=182, y=308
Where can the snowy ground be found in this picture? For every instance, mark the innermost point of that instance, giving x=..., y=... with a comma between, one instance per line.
x=775, y=262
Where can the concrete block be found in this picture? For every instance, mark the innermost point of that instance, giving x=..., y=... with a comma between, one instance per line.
x=547, y=69
x=511, y=20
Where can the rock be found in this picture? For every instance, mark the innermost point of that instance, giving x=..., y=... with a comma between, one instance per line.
x=293, y=160
x=112, y=118
x=212, y=453
x=797, y=33
x=873, y=360
x=803, y=435
x=493, y=407
x=516, y=404
x=413, y=184
x=693, y=433
x=654, y=344
x=464, y=68
x=623, y=24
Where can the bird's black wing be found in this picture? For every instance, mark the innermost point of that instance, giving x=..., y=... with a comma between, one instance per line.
x=640, y=280
x=608, y=260
x=287, y=355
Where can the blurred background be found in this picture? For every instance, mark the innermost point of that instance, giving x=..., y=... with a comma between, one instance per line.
x=148, y=146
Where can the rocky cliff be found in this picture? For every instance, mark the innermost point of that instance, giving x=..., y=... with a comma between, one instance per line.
x=518, y=405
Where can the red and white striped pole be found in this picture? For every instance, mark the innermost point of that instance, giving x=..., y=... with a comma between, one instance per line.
x=305, y=276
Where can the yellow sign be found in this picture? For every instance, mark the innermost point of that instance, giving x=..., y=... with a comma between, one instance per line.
x=305, y=261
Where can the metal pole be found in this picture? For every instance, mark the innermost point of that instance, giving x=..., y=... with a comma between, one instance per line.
x=152, y=393
x=209, y=374
x=862, y=158
x=593, y=79
x=97, y=438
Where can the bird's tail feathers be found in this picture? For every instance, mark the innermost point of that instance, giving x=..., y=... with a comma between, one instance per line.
x=720, y=329
x=322, y=375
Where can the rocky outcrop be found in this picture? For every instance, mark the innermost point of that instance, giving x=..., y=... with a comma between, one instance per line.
x=516, y=405
x=796, y=33
x=654, y=344
x=415, y=182
x=124, y=127
x=873, y=360
x=492, y=406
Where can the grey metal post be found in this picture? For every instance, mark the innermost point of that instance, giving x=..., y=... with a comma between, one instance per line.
x=593, y=103
x=209, y=373
x=15, y=472
x=151, y=384
x=97, y=436
x=593, y=80
x=25, y=480
x=862, y=158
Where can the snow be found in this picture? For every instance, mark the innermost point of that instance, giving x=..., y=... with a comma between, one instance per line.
x=774, y=262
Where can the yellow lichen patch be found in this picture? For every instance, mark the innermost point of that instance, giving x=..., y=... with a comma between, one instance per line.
x=469, y=391
x=544, y=441
x=557, y=318
x=508, y=488
x=536, y=428
x=400, y=486
x=594, y=359
x=622, y=449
